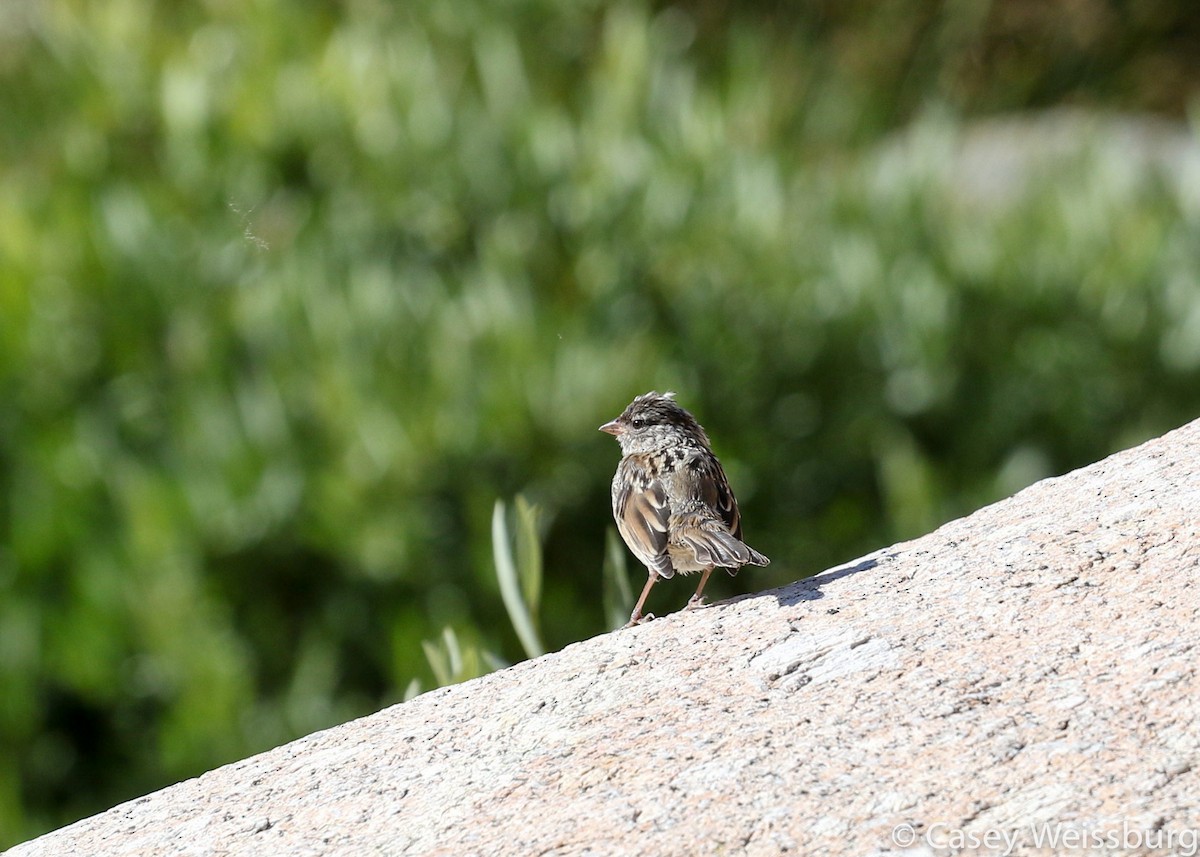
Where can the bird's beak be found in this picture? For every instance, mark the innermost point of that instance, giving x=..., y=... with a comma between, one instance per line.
x=614, y=428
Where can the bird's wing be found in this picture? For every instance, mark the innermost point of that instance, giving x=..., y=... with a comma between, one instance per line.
x=642, y=511
x=712, y=487
x=713, y=533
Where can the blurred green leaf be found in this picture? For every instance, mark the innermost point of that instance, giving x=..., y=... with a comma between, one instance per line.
x=520, y=611
x=618, y=594
x=453, y=661
x=529, y=553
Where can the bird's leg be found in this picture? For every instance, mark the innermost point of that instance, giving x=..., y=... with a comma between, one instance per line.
x=636, y=617
x=697, y=600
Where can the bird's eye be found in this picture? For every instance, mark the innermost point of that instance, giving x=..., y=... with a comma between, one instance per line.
x=638, y=423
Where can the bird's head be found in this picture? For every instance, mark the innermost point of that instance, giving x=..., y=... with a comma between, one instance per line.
x=654, y=421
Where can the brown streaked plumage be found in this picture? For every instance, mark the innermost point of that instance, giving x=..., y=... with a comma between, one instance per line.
x=672, y=503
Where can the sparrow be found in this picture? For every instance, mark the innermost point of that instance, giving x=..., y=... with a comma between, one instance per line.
x=672, y=503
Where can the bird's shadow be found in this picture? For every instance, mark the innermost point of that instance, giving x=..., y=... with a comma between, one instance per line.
x=809, y=589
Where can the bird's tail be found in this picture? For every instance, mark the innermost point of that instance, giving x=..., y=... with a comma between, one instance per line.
x=716, y=546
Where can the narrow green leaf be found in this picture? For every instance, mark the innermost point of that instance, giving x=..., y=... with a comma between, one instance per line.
x=454, y=652
x=529, y=554
x=618, y=594
x=438, y=663
x=510, y=587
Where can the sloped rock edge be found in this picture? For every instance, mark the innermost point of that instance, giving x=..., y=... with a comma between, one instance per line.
x=1024, y=671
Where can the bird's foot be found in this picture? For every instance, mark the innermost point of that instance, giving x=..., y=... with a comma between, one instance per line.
x=639, y=620
x=694, y=602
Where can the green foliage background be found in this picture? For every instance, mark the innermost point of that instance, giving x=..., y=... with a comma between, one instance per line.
x=292, y=293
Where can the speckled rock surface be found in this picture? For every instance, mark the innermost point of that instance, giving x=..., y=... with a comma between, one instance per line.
x=1024, y=673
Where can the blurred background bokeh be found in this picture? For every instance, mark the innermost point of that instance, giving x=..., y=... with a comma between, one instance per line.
x=291, y=293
